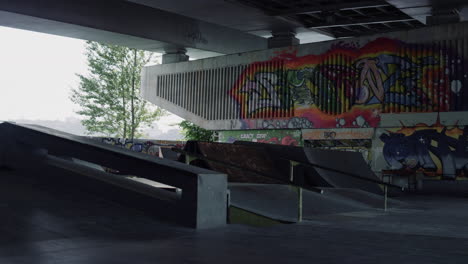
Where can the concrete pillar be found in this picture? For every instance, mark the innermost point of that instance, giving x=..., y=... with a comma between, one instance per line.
x=282, y=39
x=173, y=55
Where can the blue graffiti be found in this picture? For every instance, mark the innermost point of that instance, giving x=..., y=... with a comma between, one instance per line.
x=414, y=151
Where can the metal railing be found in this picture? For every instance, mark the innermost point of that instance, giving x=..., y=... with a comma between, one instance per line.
x=191, y=156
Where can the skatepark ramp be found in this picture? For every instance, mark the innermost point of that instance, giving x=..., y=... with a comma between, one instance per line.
x=309, y=168
x=269, y=182
x=187, y=195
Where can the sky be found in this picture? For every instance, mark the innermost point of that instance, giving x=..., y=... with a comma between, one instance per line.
x=38, y=72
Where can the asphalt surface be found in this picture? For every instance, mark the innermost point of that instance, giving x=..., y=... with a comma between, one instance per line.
x=44, y=224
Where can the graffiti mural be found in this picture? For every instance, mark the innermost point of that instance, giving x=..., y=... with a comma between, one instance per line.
x=330, y=134
x=295, y=122
x=282, y=137
x=146, y=146
x=350, y=86
x=435, y=150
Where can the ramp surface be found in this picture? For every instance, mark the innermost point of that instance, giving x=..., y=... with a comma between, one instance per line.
x=280, y=202
x=200, y=204
x=240, y=163
x=44, y=223
x=269, y=163
x=334, y=166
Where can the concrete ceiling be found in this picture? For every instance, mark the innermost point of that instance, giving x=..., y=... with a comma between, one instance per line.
x=213, y=27
x=126, y=23
x=313, y=20
x=421, y=9
x=226, y=13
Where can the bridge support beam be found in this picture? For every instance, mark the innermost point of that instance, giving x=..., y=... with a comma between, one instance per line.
x=127, y=24
x=173, y=55
x=281, y=39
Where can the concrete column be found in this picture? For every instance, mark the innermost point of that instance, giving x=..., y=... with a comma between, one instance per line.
x=282, y=39
x=173, y=55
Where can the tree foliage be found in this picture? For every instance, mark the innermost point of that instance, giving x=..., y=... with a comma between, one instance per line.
x=108, y=95
x=194, y=132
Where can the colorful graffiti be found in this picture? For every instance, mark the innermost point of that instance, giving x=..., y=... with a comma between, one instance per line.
x=295, y=122
x=330, y=134
x=350, y=86
x=146, y=146
x=282, y=137
x=435, y=150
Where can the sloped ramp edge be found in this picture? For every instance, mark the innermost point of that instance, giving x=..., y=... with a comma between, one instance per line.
x=338, y=167
x=280, y=202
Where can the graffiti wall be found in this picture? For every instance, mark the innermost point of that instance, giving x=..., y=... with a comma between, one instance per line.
x=337, y=134
x=350, y=86
x=437, y=150
x=282, y=137
x=343, y=139
x=146, y=146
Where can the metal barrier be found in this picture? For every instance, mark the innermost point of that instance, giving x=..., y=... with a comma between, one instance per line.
x=202, y=203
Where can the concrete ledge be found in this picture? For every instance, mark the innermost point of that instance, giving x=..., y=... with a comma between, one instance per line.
x=203, y=203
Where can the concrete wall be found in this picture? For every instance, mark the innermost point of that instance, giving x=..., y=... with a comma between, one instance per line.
x=405, y=92
x=435, y=144
x=346, y=83
x=290, y=137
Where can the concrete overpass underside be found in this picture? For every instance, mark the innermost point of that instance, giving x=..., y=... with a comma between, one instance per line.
x=390, y=83
x=208, y=28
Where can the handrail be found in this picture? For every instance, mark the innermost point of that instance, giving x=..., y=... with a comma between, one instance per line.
x=385, y=184
x=353, y=175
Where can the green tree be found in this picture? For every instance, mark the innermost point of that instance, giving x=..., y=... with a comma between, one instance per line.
x=108, y=95
x=194, y=132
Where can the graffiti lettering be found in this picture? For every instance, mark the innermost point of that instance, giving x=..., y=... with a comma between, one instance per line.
x=369, y=74
x=350, y=86
x=432, y=149
x=295, y=122
x=150, y=147
x=194, y=35
x=329, y=135
x=346, y=133
x=284, y=137
x=261, y=93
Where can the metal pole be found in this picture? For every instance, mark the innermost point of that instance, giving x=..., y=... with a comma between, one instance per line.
x=291, y=171
x=188, y=159
x=299, y=190
x=299, y=202
x=385, y=203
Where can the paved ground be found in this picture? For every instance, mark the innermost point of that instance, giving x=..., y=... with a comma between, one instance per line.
x=43, y=225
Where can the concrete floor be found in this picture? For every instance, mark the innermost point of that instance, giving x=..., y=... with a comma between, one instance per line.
x=40, y=224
